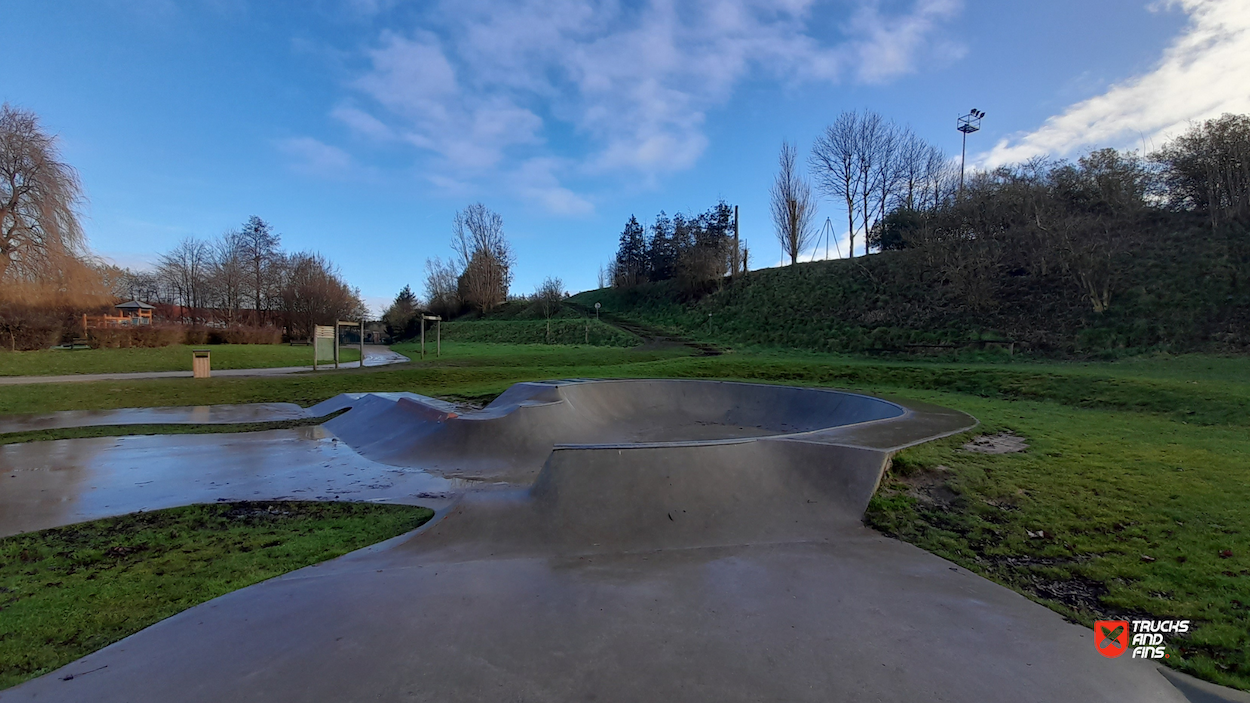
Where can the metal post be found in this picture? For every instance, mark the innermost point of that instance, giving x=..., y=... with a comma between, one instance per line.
x=963, y=155
x=438, y=336
x=423, y=337
x=362, y=344
x=336, y=344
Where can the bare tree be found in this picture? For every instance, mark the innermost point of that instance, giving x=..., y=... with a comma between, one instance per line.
x=911, y=161
x=833, y=162
x=39, y=195
x=866, y=140
x=139, y=285
x=485, y=257
x=792, y=205
x=550, y=296
x=260, y=249
x=887, y=166
x=313, y=293
x=938, y=179
x=230, y=273
x=185, y=269
x=1207, y=168
x=442, y=287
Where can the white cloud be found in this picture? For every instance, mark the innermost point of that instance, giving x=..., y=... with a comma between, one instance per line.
x=413, y=79
x=891, y=44
x=362, y=123
x=536, y=180
x=316, y=158
x=478, y=83
x=1201, y=75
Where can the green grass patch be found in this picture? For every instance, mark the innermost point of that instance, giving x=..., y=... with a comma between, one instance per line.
x=464, y=370
x=60, y=362
x=558, y=331
x=1181, y=288
x=69, y=591
x=1106, y=514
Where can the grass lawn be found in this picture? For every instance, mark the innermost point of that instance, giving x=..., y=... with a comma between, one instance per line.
x=557, y=331
x=58, y=362
x=1137, y=477
x=69, y=591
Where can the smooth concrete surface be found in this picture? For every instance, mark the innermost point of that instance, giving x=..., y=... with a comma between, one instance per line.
x=511, y=438
x=705, y=547
x=189, y=414
x=374, y=356
x=50, y=484
x=182, y=415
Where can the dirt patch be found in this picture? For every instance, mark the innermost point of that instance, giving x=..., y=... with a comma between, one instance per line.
x=928, y=486
x=1001, y=443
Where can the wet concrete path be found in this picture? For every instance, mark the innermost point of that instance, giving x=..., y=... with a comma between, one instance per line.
x=49, y=484
x=181, y=415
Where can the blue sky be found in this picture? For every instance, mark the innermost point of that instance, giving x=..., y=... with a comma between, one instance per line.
x=359, y=127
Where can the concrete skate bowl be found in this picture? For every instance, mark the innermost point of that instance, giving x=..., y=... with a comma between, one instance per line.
x=679, y=462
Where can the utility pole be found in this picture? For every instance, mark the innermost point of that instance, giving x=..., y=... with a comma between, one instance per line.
x=737, y=250
x=967, y=124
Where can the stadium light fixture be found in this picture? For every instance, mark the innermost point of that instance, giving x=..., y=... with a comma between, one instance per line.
x=967, y=124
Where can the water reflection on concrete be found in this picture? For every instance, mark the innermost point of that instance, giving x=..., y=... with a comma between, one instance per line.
x=48, y=484
x=181, y=415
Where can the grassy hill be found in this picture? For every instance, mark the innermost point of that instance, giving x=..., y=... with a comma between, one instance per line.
x=1177, y=291
x=522, y=322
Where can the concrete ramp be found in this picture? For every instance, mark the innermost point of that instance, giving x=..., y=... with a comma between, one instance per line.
x=646, y=464
x=511, y=439
x=626, y=540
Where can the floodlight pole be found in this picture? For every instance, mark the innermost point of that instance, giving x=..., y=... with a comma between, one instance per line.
x=967, y=124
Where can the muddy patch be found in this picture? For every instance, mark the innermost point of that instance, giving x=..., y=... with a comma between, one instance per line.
x=928, y=486
x=1001, y=443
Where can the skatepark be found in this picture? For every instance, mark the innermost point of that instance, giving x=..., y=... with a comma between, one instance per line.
x=594, y=540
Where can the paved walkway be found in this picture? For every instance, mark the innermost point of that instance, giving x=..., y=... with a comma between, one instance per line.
x=374, y=356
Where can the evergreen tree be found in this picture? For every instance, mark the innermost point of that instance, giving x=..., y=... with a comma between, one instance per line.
x=662, y=249
x=402, y=314
x=631, y=256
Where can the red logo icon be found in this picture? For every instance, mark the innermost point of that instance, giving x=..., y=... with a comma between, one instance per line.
x=1111, y=636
